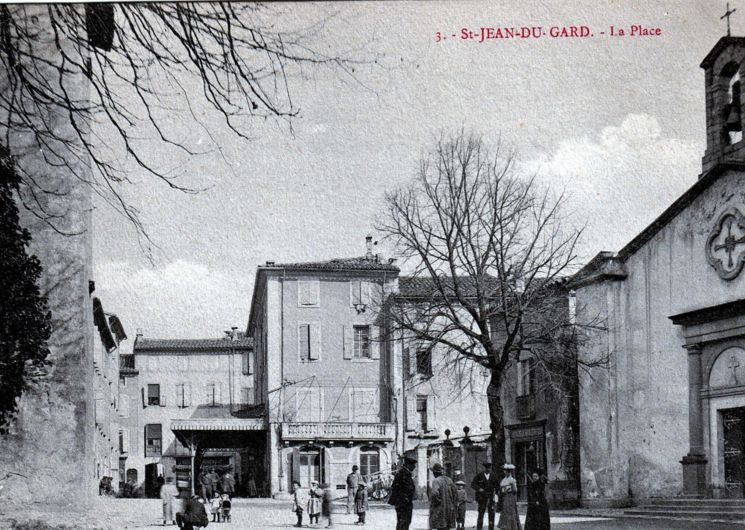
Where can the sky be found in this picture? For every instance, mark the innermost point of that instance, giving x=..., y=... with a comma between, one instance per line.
x=616, y=122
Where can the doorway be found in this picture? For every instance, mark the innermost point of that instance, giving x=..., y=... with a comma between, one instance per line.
x=528, y=455
x=733, y=434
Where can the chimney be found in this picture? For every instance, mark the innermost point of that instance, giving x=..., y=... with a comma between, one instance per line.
x=369, y=246
x=269, y=263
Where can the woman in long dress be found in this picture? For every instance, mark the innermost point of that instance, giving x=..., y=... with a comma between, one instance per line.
x=509, y=519
x=538, y=517
x=168, y=494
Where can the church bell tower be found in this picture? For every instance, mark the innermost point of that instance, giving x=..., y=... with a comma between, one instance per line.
x=724, y=69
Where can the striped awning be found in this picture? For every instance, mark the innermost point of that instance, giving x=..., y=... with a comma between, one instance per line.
x=219, y=424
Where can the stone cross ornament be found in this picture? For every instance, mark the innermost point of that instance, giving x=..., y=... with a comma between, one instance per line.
x=725, y=247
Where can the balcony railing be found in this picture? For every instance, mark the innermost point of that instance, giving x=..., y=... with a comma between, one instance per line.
x=337, y=431
x=526, y=407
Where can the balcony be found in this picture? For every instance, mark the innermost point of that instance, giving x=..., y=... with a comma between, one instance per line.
x=374, y=432
x=526, y=407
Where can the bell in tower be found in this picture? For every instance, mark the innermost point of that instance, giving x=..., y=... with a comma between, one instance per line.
x=733, y=120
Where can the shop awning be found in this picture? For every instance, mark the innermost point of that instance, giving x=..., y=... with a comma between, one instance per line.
x=219, y=424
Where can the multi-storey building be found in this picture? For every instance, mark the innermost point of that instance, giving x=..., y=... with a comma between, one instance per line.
x=190, y=407
x=443, y=414
x=106, y=394
x=324, y=371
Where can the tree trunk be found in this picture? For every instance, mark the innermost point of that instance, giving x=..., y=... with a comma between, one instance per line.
x=496, y=419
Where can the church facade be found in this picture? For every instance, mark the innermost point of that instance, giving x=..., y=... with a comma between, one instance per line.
x=667, y=416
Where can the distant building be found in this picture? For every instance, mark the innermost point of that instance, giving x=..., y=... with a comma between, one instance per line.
x=110, y=334
x=323, y=369
x=190, y=407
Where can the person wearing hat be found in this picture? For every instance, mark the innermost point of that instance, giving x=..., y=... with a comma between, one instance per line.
x=315, y=501
x=402, y=493
x=508, y=517
x=443, y=500
x=460, y=519
x=484, y=485
x=537, y=517
x=354, y=479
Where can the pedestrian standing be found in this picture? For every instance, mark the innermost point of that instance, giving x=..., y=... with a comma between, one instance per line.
x=299, y=501
x=508, y=518
x=168, y=495
x=205, y=484
x=214, y=481
x=443, y=499
x=460, y=520
x=360, y=503
x=327, y=508
x=354, y=479
x=227, y=484
x=314, y=502
x=484, y=485
x=538, y=517
x=402, y=495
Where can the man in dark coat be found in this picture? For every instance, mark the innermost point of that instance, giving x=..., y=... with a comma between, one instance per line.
x=402, y=494
x=194, y=515
x=484, y=485
x=354, y=479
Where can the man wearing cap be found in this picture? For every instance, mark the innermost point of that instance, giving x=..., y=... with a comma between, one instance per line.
x=484, y=485
x=354, y=479
x=443, y=500
x=402, y=494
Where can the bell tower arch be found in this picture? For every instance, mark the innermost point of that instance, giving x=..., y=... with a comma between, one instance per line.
x=724, y=69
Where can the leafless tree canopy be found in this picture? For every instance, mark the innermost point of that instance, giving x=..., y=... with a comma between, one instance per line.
x=492, y=252
x=120, y=74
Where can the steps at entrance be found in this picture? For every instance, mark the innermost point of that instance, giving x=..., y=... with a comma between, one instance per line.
x=688, y=508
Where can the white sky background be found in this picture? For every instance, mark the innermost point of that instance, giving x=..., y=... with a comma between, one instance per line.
x=618, y=122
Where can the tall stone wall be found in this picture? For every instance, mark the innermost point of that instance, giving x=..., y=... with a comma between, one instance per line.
x=48, y=454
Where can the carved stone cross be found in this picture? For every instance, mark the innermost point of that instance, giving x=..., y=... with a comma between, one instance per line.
x=730, y=243
x=733, y=365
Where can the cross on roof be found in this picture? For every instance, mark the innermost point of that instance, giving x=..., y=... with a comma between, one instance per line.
x=726, y=15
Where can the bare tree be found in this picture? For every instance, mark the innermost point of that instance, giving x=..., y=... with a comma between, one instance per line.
x=492, y=253
x=130, y=79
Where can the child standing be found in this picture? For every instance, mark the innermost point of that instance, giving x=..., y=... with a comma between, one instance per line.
x=327, y=508
x=299, y=502
x=314, y=503
x=462, y=499
x=215, y=507
x=360, y=503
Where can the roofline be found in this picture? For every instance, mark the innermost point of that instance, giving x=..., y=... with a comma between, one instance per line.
x=716, y=50
x=703, y=183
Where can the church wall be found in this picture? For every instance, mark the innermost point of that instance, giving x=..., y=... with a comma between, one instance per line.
x=634, y=416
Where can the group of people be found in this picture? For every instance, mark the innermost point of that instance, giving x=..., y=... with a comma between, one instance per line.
x=448, y=499
x=316, y=500
x=216, y=500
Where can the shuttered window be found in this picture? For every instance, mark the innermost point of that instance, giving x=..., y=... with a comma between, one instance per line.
x=309, y=341
x=153, y=439
x=308, y=293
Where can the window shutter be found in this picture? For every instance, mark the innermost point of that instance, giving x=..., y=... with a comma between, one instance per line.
x=315, y=293
x=162, y=396
x=411, y=415
x=348, y=339
x=412, y=360
x=366, y=292
x=375, y=342
x=303, y=340
x=354, y=292
x=302, y=293
x=124, y=406
x=187, y=394
x=144, y=397
x=295, y=464
x=315, y=342
x=218, y=393
x=431, y=426
x=125, y=441
x=250, y=357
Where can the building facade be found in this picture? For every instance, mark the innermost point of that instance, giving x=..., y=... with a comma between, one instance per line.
x=106, y=361
x=667, y=416
x=443, y=414
x=190, y=406
x=323, y=369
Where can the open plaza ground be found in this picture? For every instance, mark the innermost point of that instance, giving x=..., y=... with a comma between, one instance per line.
x=273, y=514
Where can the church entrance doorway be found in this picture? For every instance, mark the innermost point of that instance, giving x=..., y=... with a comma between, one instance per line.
x=733, y=431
